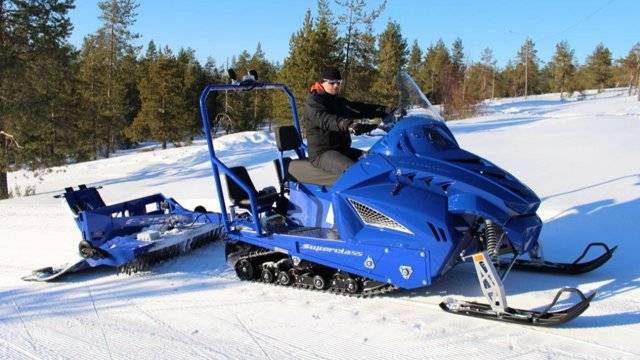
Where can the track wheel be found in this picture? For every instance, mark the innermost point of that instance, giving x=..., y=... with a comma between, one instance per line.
x=319, y=283
x=244, y=270
x=267, y=276
x=284, y=278
x=352, y=286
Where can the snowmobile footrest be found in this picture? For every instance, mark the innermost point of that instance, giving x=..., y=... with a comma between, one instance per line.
x=573, y=268
x=519, y=316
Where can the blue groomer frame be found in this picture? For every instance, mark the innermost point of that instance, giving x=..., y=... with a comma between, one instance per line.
x=217, y=165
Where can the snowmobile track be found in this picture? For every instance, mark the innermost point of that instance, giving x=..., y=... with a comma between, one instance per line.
x=382, y=290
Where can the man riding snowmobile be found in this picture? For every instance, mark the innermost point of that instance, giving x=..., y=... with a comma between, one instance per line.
x=329, y=119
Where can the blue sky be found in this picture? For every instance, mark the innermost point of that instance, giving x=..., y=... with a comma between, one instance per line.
x=222, y=28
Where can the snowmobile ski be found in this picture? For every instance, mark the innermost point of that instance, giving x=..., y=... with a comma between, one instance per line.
x=51, y=273
x=526, y=317
x=574, y=268
x=497, y=308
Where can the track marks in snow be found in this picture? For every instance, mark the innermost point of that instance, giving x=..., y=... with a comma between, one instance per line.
x=182, y=336
x=16, y=352
x=252, y=337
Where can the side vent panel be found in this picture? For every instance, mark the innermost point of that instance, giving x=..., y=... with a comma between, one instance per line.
x=442, y=234
x=434, y=231
x=438, y=233
x=375, y=218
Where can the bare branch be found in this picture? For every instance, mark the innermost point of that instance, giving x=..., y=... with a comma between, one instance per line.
x=11, y=139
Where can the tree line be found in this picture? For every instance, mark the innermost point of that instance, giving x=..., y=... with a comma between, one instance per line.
x=59, y=104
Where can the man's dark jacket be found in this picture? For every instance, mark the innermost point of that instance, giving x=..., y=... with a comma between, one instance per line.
x=327, y=119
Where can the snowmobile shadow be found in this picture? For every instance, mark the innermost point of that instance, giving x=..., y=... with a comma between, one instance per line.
x=603, y=321
x=76, y=293
x=592, y=186
x=523, y=112
x=470, y=128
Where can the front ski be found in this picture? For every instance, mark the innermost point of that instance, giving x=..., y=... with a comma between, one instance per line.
x=519, y=316
x=497, y=308
x=576, y=267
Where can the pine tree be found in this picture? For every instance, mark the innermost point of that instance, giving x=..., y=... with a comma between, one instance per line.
x=457, y=59
x=311, y=48
x=37, y=88
x=363, y=70
x=488, y=74
x=249, y=109
x=262, y=100
x=415, y=60
x=216, y=109
x=298, y=70
x=562, y=68
x=325, y=43
x=107, y=74
x=476, y=82
x=435, y=68
x=241, y=103
x=163, y=115
x=528, y=65
x=357, y=26
x=511, y=80
x=631, y=68
x=598, y=67
x=392, y=57
x=194, y=79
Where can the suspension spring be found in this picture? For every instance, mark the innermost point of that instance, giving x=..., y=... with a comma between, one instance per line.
x=491, y=238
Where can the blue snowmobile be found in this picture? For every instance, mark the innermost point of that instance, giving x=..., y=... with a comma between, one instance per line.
x=401, y=217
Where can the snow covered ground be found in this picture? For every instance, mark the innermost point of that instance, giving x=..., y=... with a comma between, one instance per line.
x=581, y=157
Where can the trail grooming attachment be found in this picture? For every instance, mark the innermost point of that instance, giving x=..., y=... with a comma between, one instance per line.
x=131, y=236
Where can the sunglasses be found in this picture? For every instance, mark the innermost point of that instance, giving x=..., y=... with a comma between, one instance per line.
x=333, y=82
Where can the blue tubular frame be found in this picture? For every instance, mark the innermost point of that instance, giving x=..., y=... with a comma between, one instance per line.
x=217, y=165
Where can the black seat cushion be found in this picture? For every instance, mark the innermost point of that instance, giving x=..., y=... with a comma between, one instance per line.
x=265, y=197
x=303, y=171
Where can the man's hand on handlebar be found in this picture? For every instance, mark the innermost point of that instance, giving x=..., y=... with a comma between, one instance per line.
x=396, y=111
x=362, y=128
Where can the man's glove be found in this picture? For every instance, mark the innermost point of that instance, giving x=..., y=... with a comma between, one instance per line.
x=361, y=128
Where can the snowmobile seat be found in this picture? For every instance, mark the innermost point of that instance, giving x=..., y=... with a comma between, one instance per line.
x=265, y=197
x=300, y=169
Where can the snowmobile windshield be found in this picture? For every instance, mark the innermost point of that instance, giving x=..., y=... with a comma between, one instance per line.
x=412, y=100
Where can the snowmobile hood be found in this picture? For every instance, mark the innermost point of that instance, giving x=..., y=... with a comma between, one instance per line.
x=424, y=149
